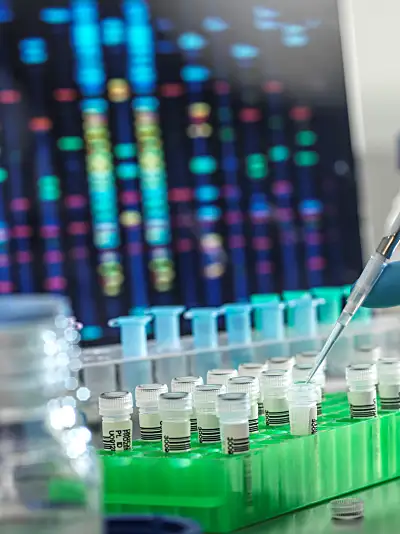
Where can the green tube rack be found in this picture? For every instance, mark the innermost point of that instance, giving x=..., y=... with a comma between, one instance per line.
x=281, y=473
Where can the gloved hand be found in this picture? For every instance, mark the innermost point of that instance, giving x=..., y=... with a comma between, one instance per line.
x=386, y=291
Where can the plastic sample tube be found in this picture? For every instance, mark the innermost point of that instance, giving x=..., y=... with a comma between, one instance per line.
x=271, y=320
x=238, y=323
x=166, y=327
x=204, y=326
x=361, y=381
x=309, y=357
x=251, y=386
x=301, y=372
x=146, y=396
x=254, y=369
x=274, y=386
x=389, y=383
x=116, y=409
x=233, y=411
x=280, y=364
x=302, y=409
x=175, y=409
x=366, y=354
x=205, y=403
x=220, y=376
x=187, y=384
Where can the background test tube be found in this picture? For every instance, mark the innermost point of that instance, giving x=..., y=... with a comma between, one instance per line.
x=389, y=383
x=254, y=369
x=251, y=386
x=175, y=409
x=302, y=400
x=146, y=396
x=134, y=345
x=168, y=339
x=274, y=386
x=116, y=409
x=233, y=411
x=305, y=324
x=220, y=376
x=100, y=378
x=361, y=381
x=188, y=384
x=238, y=327
x=205, y=336
x=271, y=327
x=205, y=403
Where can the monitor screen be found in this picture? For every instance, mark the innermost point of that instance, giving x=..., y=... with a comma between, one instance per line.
x=156, y=153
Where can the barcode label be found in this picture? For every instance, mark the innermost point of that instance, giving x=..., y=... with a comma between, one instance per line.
x=150, y=434
x=260, y=409
x=319, y=409
x=180, y=444
x=193, y=425
x=277, y=418
x=237, y=445
x=253, y=425
x=209, y=435
x=117, y=436
x=390, y=403
x=361, y=412
x=314, y=427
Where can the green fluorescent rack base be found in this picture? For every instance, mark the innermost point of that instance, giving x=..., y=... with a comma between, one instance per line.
x=281, y=473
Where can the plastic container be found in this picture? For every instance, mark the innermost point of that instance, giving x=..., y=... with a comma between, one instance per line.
x=146, y=396
x=303, y=400
x=274, y=385
x=233, y=410
x=220, y=376
x=205, y=403
x=49, y=477
x=175, y=409
x=361, y=381
x=188, y=384
x=389, y=383
x=116, y=409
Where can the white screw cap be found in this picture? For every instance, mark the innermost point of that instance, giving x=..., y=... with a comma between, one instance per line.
x=147, y=394
x=115, y=403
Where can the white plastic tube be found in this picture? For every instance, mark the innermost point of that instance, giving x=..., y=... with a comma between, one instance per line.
x=361, y=381
x=116, y=409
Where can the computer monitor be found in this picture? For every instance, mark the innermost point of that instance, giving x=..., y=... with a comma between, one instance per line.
x=178, y=152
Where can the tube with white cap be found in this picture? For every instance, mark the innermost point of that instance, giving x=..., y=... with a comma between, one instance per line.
x=188, y=384
x=116, y=409
x=251, y=386
x=389, y=383
x=175, y=409
x=302, y=400
x=274, y=386
x=146, y=396
x=361, y=381
x=254, y=369
x=233, y=411
x=220, y=376
x=301, y=372
x=205, y=403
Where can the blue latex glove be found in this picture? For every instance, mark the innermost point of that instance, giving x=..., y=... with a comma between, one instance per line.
x=386, y=291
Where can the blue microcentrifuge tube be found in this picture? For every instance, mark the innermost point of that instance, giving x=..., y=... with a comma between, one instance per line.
x=134, y=345
x=205, y=336
x=271, y=329
x=238, y=327
x=305, y=324
x=168, y=339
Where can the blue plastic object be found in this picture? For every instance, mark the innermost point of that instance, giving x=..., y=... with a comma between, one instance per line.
x=150, y=524
x=238, y=323
x=166, y=327
x=271, y=320
x=204, y=326
x=133, y=334
x=386, y=291
x=304, y=310
x=18, y=309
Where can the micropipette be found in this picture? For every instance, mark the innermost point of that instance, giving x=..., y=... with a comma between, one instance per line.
x=367, y=280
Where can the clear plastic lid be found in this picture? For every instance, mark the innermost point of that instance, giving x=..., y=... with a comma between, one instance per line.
x=280, y=363
x=229, y=403
x=220, y=376
x=177, y=401
x=361, y=374
x=389, y=371
x=206, y=395
x=244, y=384
x=347, y=509
x=274, y=378
x=186, y=383
x=252, y=369
x=301, y=394
x=115, y=403
x=147, y=394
